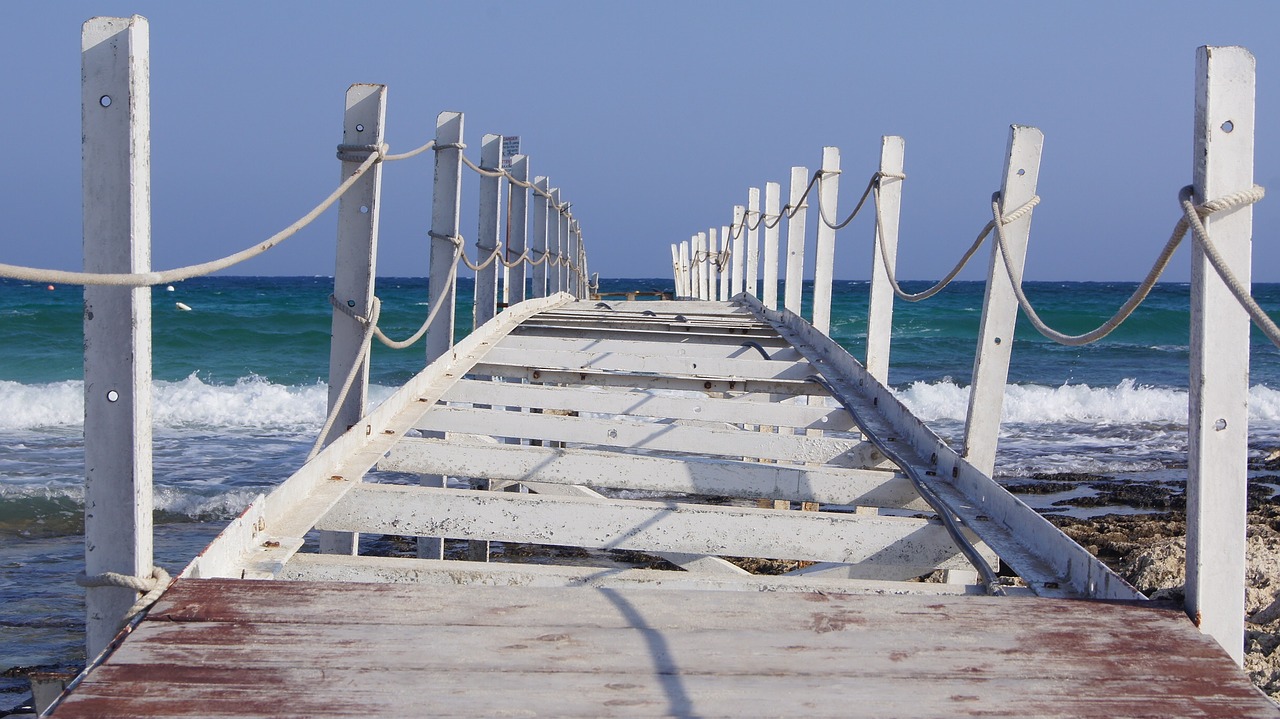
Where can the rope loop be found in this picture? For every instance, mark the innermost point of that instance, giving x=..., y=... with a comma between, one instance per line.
x=449, y=146
x=349, y=310
x=360, y=153
x=455, y=239
x=151, y=587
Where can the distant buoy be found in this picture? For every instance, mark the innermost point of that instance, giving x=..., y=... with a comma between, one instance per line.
x=169, y=288
x=182, y=307
x=51, y=287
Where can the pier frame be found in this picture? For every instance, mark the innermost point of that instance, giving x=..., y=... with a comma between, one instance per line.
x=752, y=219
x=825, y=250
x=772, y=200
x=738, y=255
x=517, y=230
x=486, y=288
x=795, y=240
x=540, y=251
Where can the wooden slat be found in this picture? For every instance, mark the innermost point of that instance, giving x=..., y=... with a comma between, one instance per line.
x=645, y=526
x=744, y=367
x=514, y=369
x=695, y=406
x=654, y=436
x=670, y=345
x=338, y=568
x=459, y=457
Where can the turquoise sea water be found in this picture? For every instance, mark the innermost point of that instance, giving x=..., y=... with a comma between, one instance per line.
x=240, y=394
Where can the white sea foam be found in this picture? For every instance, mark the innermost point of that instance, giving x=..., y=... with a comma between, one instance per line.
x=250, y=403
x=1126, y=403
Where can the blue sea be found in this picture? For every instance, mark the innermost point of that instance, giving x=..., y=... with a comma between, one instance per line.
x=240, y=394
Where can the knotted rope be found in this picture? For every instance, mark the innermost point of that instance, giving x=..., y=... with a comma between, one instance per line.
x=149, y=587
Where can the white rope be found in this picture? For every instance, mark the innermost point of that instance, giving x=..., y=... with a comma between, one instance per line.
x=891, y=273
x=150, y=587
x=1192, y=215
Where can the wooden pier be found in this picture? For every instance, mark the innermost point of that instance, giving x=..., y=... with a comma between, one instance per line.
x=652, y=453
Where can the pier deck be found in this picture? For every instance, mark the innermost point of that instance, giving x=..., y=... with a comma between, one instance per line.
x=237, y=648
x=690, y=431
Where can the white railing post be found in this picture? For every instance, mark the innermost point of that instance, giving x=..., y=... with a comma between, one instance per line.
x=1000, y=306
x=1217, y=446
x=575, y=283
x=704, y=267
x=684, y=287
x=795, y=240
x=773, y=227
x=354, y=273
x=442, y=289
x=486, y=289
x=675, y=267
x=885, y=247
x=825, y=251
x=517, y=229
x=738, y=258
x=555, y=244
x=116, y=157
x=539, y=251
x=726, y=256
x=752, y=220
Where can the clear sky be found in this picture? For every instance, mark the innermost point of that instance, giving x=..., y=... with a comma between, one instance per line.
x=654, y=118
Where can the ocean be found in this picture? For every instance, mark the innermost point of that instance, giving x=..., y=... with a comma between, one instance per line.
x=240, y=394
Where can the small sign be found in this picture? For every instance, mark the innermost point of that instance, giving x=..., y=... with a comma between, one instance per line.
x=510, y=148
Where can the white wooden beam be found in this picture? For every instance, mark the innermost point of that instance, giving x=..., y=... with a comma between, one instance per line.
x=825, y=255
x=445, y=207
x=317, y=568
x=741, y=368
x=680, y=344
x=615, y=470
x=1218, y=426
x=795, y=239
x=752, y=218
x=648, y=382
x=655, y=436
x=772, y=228
x=641, y=526
x=885, y=247
x=487, y=233
x=1000, y=305
x=354, y=272
x=116, y=161
x=686, y=282
x=738, y=257
x=695, y=406
x=518, y=231
x=726, y=261
x=541, y=218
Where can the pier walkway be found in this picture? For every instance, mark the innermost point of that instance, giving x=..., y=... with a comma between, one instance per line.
x=652, y=427
x=702, y=506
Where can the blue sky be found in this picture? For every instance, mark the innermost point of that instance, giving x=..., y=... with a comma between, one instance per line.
x=654, y=118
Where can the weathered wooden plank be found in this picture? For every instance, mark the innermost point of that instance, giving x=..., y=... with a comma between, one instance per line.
x=654, y=436
x=644, y=526
x=787, y=388
x=614, y=470
x=741, y=368
x=675, y=344
x=695, y=406
x=327, y=568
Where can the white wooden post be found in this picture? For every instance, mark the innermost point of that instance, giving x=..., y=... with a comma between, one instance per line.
x=1000, y=306
x=539, y=251
x=726, y=256
x=354, y=272
x=880, y=304
x=752, y=219
x=738, y=259
x=490, y=202
x=555, y=244
x=573, y=270
x=675, y=267
x=116, y=157
x=685, y=287
x=825, y=256
x=708, y=248
x=713, y=263
x=517, y=229
x=442, y=288
x=772, y=200
x=1217, y=445
x=795, y=240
